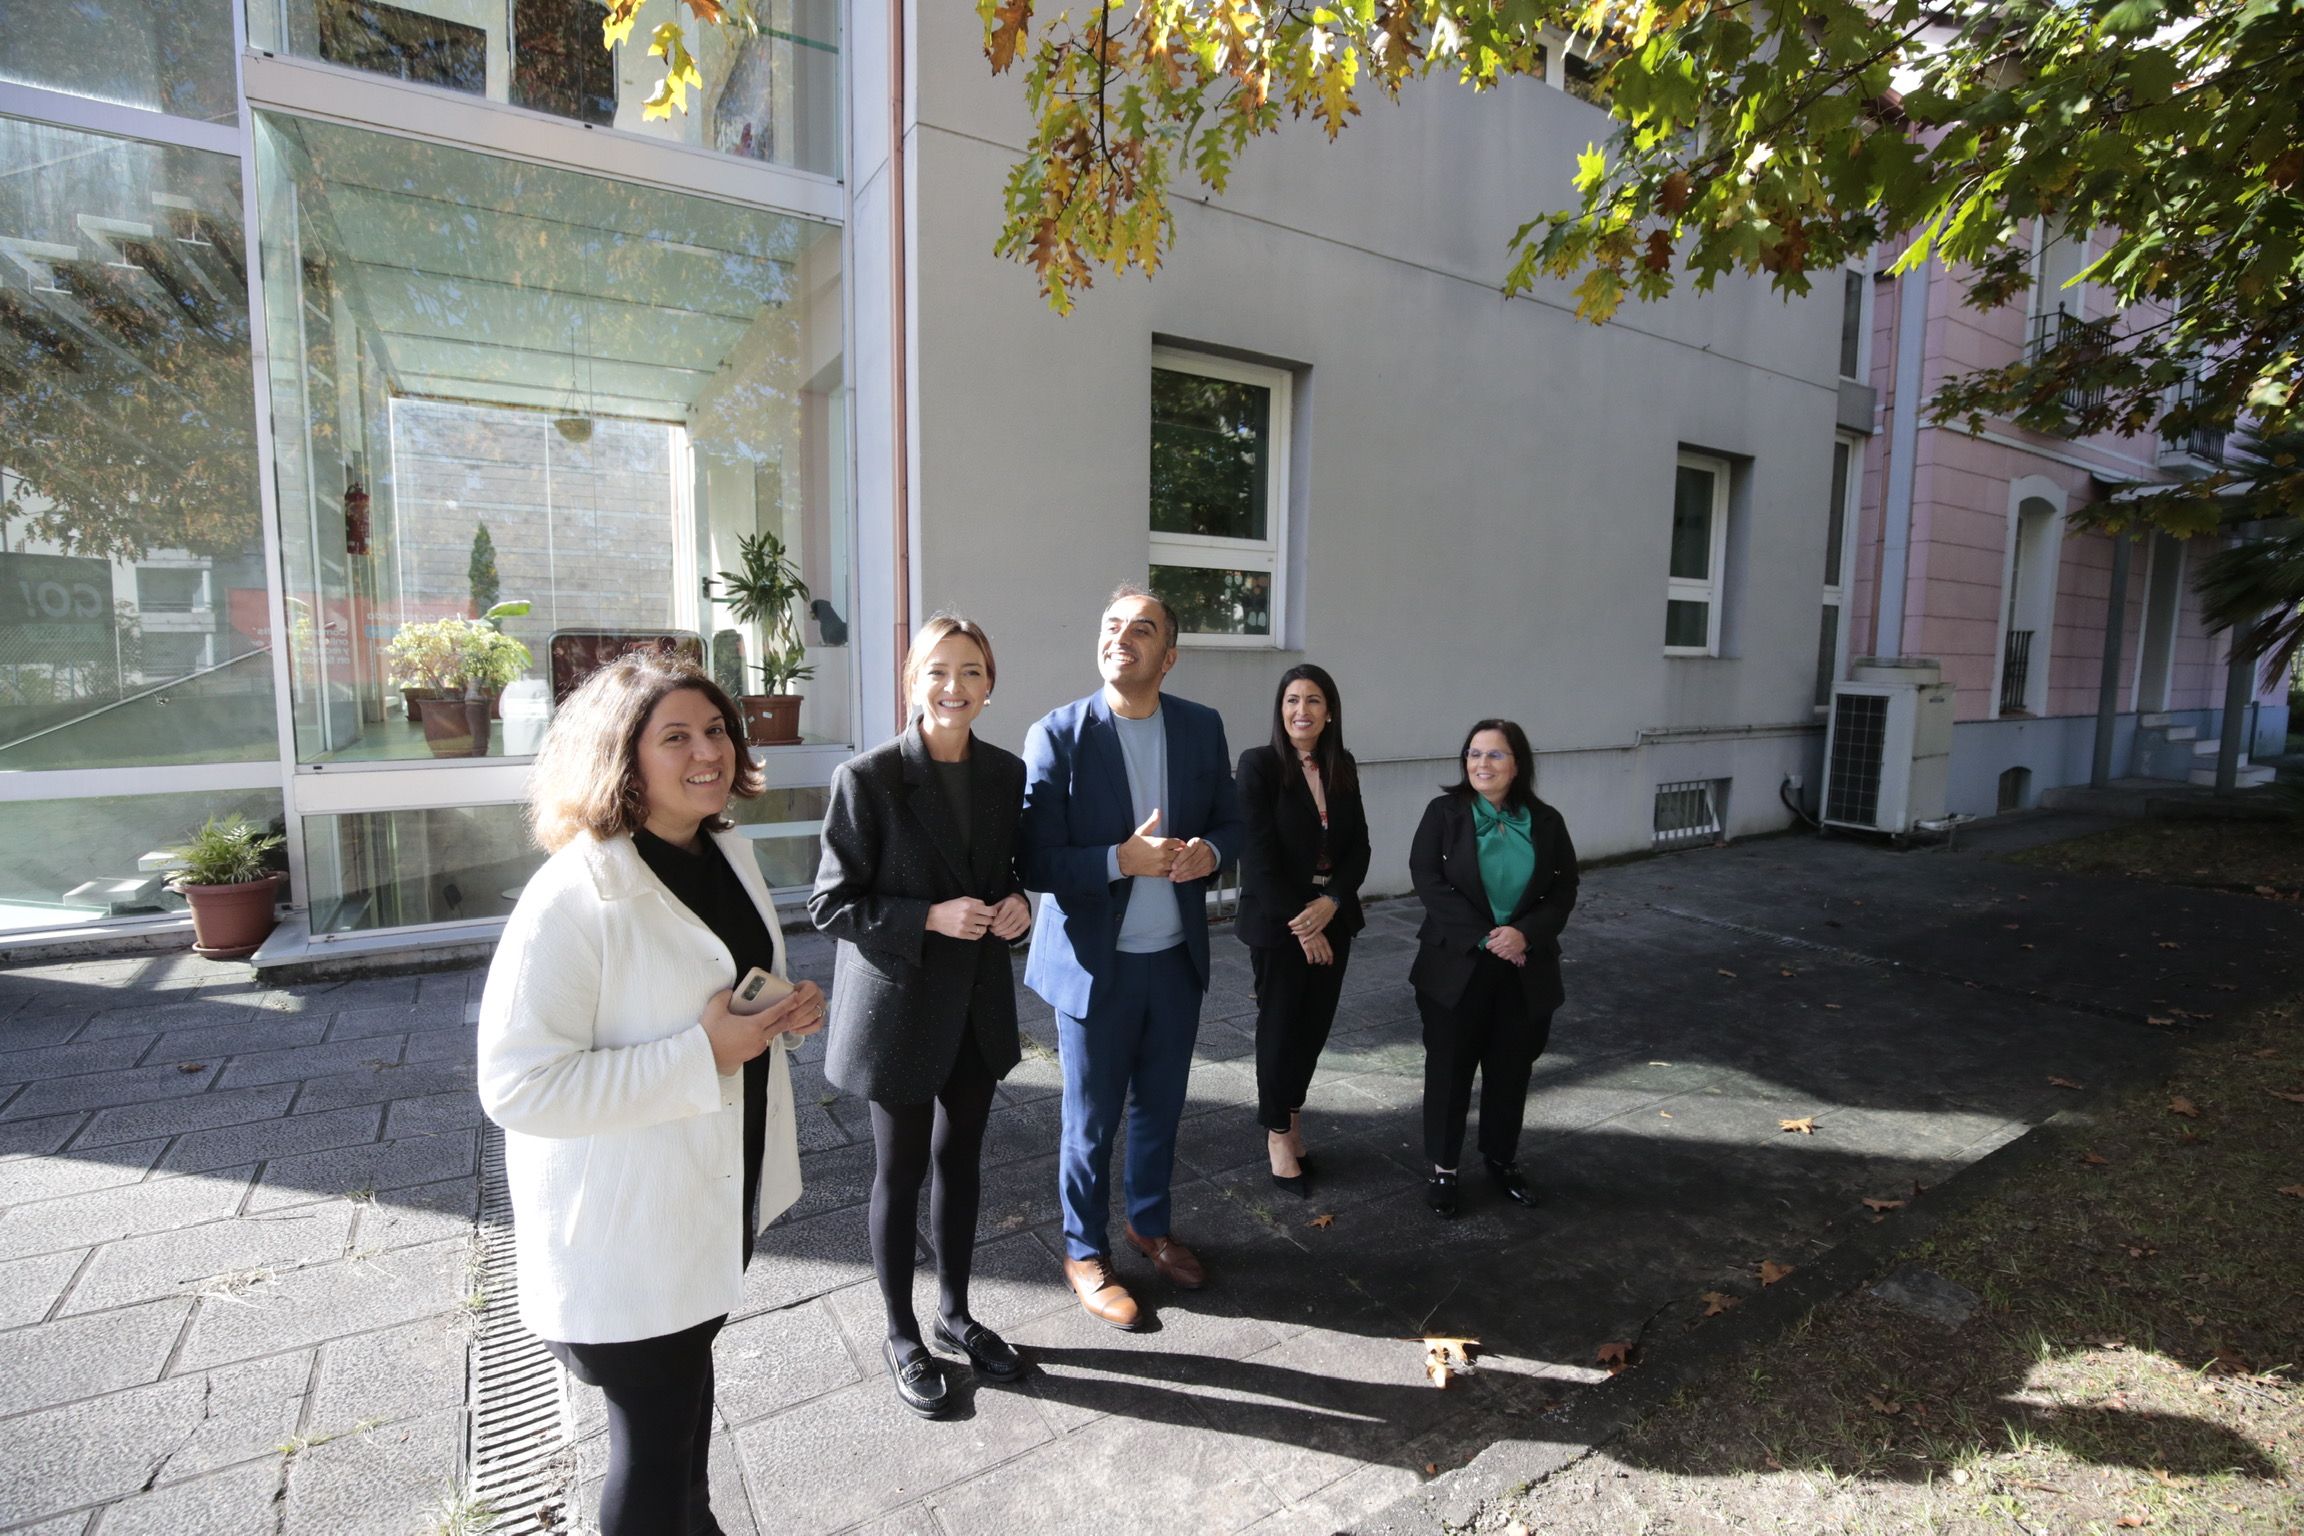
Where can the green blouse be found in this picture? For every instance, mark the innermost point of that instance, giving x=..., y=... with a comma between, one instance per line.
x=1507, y=842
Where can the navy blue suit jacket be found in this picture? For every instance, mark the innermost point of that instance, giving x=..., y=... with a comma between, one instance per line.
x=1077, y=810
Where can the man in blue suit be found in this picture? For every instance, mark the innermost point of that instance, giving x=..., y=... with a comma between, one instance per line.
x=1129, y=810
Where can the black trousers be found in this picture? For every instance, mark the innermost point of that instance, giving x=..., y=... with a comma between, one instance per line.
x=1295, y=1007
x=1491, y=1031
x=659, y=1395
x=908, y=1140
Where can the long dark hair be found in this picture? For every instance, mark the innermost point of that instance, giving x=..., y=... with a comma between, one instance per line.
x=1521, y=795
x=1328, y=754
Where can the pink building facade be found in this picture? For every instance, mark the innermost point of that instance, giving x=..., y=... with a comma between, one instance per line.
x=1967, y=549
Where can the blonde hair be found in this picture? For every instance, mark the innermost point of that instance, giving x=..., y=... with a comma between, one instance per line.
x=587, y=774
x=939, y=628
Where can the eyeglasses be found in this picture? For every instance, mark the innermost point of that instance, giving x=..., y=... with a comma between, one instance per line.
x=1496, y=758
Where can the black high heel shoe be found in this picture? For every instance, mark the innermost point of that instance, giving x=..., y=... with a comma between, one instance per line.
x=1508, y=1179
x=1440, y=1193
x=1295, y=1183
x=919, y=1381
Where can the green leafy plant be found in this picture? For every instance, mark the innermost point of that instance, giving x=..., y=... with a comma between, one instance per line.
x=456, y=655
x=766, y=589
x=480, y=570
x=225, y=852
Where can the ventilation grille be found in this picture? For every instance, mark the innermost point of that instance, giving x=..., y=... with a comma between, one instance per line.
x=521, y=1467
x=1859, y=753
x=1688, y=814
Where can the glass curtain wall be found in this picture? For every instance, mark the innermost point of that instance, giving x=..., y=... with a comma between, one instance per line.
x=133, y=630
x=522, y=418
x=771, y=92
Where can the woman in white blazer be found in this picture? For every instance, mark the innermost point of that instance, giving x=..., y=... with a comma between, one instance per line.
x=648, y=1130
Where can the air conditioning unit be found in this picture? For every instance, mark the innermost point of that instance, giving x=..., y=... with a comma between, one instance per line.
x=1888, y=749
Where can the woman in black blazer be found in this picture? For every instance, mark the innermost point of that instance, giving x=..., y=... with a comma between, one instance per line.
x=918, y=883
x=1300, y=874
x=1497, y=875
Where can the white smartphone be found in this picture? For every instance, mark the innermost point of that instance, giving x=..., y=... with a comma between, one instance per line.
x=759, y=991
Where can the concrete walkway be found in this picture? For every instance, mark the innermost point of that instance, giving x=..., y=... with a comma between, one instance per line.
x=235, y=1223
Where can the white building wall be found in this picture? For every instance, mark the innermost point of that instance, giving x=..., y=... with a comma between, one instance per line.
x=1485, y=485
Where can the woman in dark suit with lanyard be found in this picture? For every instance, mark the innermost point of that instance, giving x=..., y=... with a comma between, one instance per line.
x=1497, y=875
x=918, y=883
x=1300, y=874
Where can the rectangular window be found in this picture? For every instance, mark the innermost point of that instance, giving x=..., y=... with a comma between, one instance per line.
x=1852, y=325
x=172, y=56
x=1219, y=495
x=1699, y=555
x=499, y=383
x=127, y=445
x=771, y=90
x=1840, y=515
x=80, y=861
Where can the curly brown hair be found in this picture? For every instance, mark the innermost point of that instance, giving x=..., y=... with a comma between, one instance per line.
x=587, y=774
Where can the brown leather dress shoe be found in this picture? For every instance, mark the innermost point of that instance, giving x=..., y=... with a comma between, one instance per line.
x=1101, y=1295
x=1176, y=1263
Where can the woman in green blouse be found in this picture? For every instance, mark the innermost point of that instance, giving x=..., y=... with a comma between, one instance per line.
x=1497, y=875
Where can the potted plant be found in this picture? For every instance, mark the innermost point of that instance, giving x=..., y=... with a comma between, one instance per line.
x=453, y=671
x=225, y=876
x=766, y=589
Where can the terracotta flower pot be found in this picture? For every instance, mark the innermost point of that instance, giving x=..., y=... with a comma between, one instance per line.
x=457, y=727
x=230, y=921
x=771, y=719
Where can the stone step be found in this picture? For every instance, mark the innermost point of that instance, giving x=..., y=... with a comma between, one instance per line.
x=2251, y=775
x=2212, y=746
x=2157, y=720
x=2179, y=732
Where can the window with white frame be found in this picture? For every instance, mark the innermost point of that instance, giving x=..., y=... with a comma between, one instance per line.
x=1847, y=473
x=1699, y=556
x=1219, y=496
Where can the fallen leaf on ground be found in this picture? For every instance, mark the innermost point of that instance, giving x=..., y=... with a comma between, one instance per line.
x=1431, y=1469
x=2094, y=1159
x=1835, y=1007
x=2222, y=986
x=1014, y=1223
x=1717, y=1302
x=2293, y=1098
x=2158, y=1022
x=2170, y=944
x=1324, y=1220
x=1616, y=1356
x=1784, y=970
x=1771, y=1271
x=2062, y=1082
x=1805, y=1125
x=1664, y=1114
x=1883, y=1404
x=1731, y=975
x=1447, y=1357
x=2266, y=1054
x=2230, y=1362
x=2180, y=1105
x=2294, y=1190
x=1878, y=1203
x=2132, y=1522
x=192, y=1066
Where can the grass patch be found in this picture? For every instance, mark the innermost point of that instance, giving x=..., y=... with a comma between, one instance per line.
x=2262, y=856
x=2133, y=1363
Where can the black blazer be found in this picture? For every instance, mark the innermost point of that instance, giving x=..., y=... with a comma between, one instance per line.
x=1444, y=864
x=1283, y=850
x=903, y=998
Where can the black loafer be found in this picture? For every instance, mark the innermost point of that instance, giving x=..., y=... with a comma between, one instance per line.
x=1516, y=1190
x=992, y=1356
x=1440, y=1194
x=919, y=1381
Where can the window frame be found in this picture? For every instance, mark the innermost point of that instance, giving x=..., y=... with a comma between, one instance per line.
x=1836, y=582
x=1711, y=588
x=1203, y=552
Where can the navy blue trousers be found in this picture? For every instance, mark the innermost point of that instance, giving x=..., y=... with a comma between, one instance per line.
x=1132, y=1055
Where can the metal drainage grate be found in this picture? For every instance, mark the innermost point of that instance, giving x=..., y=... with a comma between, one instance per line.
x=1688, y=813
x=520, y=1413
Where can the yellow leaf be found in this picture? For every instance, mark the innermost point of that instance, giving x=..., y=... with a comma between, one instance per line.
x=622, y=15
x=1324, y=1220
x=1005, y=32
x=1805, y=1125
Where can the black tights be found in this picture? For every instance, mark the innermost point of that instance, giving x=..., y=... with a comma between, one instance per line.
x=659, y=1395
x=908, y=1138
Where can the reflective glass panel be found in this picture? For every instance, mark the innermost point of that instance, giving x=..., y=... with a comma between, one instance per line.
x=1216, y=602
x=497, y=384
x=1692, y=525
x=1687, y=623
x=1211, y=456
x=171, y=56
x=1837, y=527
x=770, y=92
x=1828, y=653
x=80, y=861
x=133, y=613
